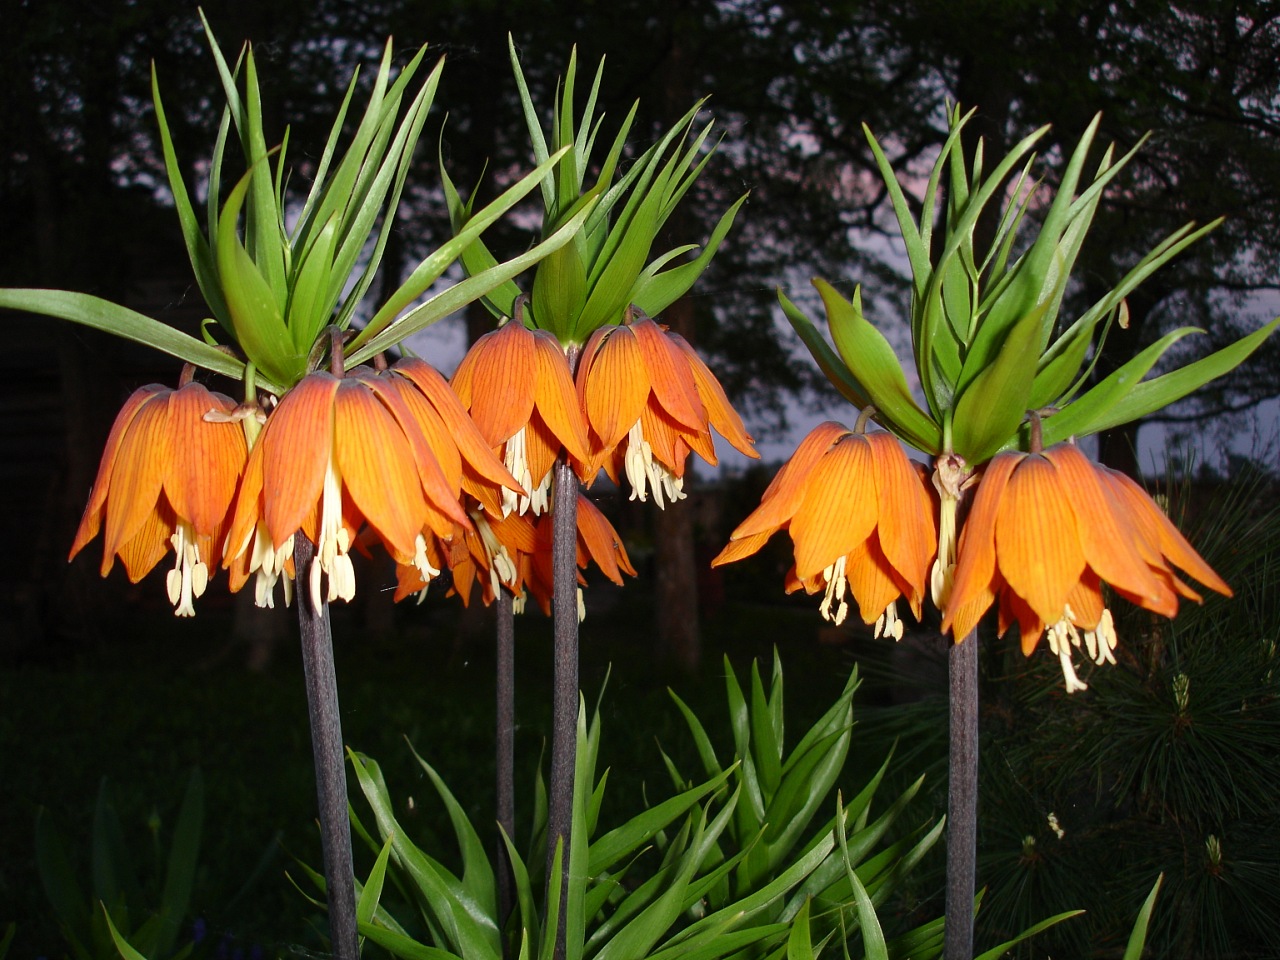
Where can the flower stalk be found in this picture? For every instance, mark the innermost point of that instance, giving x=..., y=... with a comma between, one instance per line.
x=962, y=797
x=564, y=709
x=504, y=760
x=331, y=780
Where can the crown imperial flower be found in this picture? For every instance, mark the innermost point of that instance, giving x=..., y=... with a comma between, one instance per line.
x=334, y=454
x=167, y=478
x=861, y=519
x=649, y=401
x=516, y=384
x=1046, y=530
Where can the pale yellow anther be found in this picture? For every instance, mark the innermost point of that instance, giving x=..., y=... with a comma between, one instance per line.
x=643, y=471
x=189, y=576
x=834, y=575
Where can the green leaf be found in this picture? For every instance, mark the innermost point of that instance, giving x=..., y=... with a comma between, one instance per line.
x=372, y=892
x=256, y=319
x=875, y=366
x=766, y=735
x=524, y=889
x=197, y=245
x=1152, y=395
x=655, y=291
x=466, y=927
x=990, y=409
x=996, y=952
x=800, y=942
x=873, y=943
x=104, y=315
x=477, y=873
x=625, y=840
x=401, y=945
x=122, y=945
x=60, y=881
x=832, y=367
x=560, y=288
x=1138, y=936
x=706, y=752
x=111, y=870
x=184, y=857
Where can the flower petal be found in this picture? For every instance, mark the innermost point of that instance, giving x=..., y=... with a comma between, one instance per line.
x=839, y=510
x=138, y=478
x=783, y=496
x=673, y=385
x=297, y=443
x=617, y=386
x=973, y=590
x=496, y=381
x=377, y=465
x=1037, y=540
x=556, y=397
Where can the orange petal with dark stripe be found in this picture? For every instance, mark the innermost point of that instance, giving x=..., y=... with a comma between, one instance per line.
x=839, y=510
x=91, y=520
x=669, y=375
x=297, y=443
x=149, y=543
x=208, y=457
x=972, y=589
x=1167, y=538
x=715, y=401
x=377, y=465
x=906, y=531
x=496, y=381
x=1037, y=540
x=617, y=387
x=141, y=463
x=557, y=397
x=783, y=496
x=740, y=548
x=1106, y=535
x=871, y=580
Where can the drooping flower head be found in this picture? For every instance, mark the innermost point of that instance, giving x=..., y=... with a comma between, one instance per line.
x=334, y=454
x=650, y=401
x=597, y=542
x=166, y=481
x=860, y=518
x=516, y=384
x=1045, y=532
x=468, y=463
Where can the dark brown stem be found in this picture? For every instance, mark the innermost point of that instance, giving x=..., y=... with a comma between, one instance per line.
x=337, y=365
x=505, y=755
x=326, y=748
x=564, y=709
x=962, y=798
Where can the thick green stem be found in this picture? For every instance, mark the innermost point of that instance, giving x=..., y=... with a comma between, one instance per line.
x=962, y=798
x=564, y=705
x=505, y=753
x=326, y=748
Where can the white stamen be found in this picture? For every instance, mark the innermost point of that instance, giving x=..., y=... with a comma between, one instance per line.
x=836, y=584
x=334, y=542
x=501, y=567
x=190, y=574
x=515, y=459
x=888, y=624
x=643, y=471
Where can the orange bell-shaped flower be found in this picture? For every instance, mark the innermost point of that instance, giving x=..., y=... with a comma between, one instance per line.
x=650, y=401
x=861, y=519
x=516, y=384
x=334, y=454
x=167, y=479
x=1044, y=532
